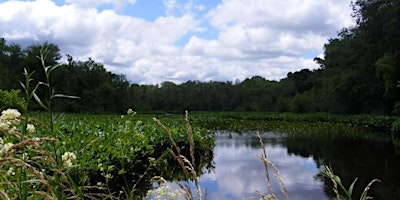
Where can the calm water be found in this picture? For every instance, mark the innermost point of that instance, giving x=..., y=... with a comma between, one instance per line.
x=238, y=174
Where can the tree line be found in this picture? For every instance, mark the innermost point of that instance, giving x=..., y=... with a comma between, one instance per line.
x=360, y=73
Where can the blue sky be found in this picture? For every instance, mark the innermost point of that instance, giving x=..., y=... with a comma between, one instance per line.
x=152, y=41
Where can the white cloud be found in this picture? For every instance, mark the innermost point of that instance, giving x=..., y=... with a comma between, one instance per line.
x=118, y=4
x=255, y=37
x=238, y=174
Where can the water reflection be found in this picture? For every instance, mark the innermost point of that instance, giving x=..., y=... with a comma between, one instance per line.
x=239, y=174
x=364, y=159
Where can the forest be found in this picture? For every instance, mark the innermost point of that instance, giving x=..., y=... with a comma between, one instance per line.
x=359, y=74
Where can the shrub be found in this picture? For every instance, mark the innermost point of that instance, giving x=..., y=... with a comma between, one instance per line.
x=11, y=99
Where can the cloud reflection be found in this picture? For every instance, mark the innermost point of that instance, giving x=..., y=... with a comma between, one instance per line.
x=239, y=174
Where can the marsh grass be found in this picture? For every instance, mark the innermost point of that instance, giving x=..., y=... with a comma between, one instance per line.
x=188, y=166
x=30, y=171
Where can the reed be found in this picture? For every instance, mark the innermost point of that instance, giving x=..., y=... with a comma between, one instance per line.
x=188, y=166
x=267, y=163
x=341, y=191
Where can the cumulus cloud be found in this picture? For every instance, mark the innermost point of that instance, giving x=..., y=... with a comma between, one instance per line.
x=233, y=39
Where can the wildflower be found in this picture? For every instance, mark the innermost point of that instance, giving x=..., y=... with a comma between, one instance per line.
x=108, y=176
x=10, y=172
x=30, y=128
x=100, y=185
x=164, y=191
x=68, y=157
x=4, y=148
x=4, y=125
x=130, y=112
x=153, y=161
x=10, y=114
x=100, y=167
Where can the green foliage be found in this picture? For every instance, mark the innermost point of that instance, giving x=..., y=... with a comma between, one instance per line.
x=11, y=99
x=60, y=167
x=343, y=193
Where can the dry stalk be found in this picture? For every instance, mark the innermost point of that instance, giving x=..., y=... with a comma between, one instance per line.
x=178, y=150
x=91, y=195
x=36, y=162
x=335, y=185
x=186, y=165
x=190, y=137
x=45, y=195
x=4, y=195
x=368, y=188
x=267, y=163
x=19, y=162
x=32, y=142
x=89, y=144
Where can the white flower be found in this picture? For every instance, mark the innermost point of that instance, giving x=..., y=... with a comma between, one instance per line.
x=10, y=171
x=30, y=128
x=4, y=125
x=4, y=148
x=10, y=114
x=130, y=112
x=68, y=157
x=108, y=176
x=68, y=163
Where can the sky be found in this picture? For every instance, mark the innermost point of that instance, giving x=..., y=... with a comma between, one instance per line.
x=153, y=41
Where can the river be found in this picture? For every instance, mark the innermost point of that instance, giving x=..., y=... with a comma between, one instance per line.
x=239, y=174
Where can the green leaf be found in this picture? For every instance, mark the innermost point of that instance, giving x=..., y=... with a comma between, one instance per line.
x=122, y=171
x=352, y=186
x=65, y=96
x=39, y=101
x=34, y=91
x=51, y=68
x=23, y=86
x=337, y=179
x=43, y=83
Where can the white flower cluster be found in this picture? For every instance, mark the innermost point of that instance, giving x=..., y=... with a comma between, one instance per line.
x=30, y=128
x=164, y=191
x=68, y=158
x=130, y=112
x=4, y=147
x=8, y=117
